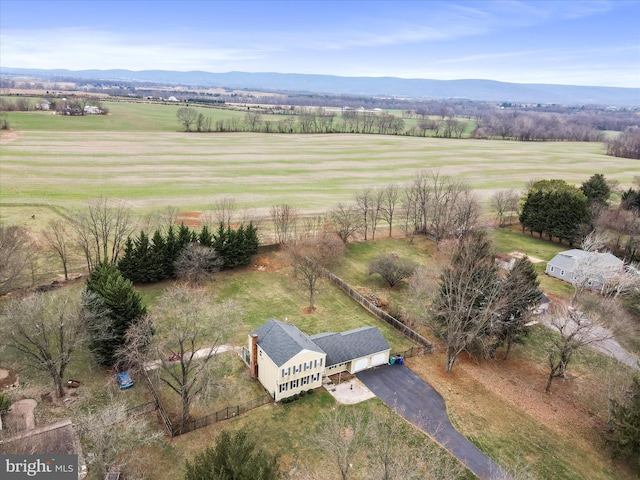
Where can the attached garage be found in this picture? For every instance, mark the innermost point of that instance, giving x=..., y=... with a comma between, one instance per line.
x=380, y=359
x=360, y=364
x=354, y=350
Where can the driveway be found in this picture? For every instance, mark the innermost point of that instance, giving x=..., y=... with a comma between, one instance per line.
x=407, y=394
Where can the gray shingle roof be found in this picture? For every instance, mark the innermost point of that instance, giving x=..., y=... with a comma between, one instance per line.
x=283, y=341
x=349, y=345
x=567, y=259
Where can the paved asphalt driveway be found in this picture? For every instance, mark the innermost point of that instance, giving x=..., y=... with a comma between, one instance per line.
x=417, y=402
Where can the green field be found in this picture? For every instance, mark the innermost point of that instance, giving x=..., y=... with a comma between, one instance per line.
x=138, y=154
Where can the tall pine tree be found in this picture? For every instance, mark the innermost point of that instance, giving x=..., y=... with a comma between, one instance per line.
x=114, y=305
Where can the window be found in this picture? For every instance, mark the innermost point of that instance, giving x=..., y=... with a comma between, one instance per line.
x=562, y=272
x=286, y=371
x=294, y=384
x=315, y=377
x=296, y=369
x=305, y=380
x=284, y=387
x=551, y=269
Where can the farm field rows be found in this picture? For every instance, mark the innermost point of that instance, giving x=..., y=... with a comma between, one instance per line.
x=310, y=172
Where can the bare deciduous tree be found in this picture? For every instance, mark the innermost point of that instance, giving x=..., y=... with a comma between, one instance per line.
x=223, y=211
x=341, y=437
x=311, y=255
x=102, y=229
x=111, y=438
x=284, y=218
x=389, y=201
x=346, y=221
x=14, y=256
x=196, y=330
x=187, y=116
x=56, y=236
x=44, y=330
x=505, y=204
x=572, y=332
x=197, y=263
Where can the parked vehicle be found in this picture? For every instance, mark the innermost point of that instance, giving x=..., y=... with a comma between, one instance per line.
x=124, y=380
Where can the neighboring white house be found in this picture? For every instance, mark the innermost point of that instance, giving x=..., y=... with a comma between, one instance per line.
x=43, y=105
x=591, y=270
x=92, y=110
x=286, y=361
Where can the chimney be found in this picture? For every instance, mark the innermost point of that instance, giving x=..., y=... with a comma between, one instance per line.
x=253, y=357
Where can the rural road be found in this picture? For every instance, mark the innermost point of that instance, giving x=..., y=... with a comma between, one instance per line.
x=416, y=401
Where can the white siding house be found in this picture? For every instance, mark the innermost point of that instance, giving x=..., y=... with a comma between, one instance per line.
x=286, y=361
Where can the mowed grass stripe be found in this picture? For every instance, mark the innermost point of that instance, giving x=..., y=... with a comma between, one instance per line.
x=307, y=171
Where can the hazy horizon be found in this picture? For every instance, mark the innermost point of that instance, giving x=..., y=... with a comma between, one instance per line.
x=582, y=43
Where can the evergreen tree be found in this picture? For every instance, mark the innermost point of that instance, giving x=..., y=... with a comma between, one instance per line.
x=556, y=208
x=205, y=238
x=158, y=252
x=114, y=305
x=127, y=263
x=596, y=190
x=625, y=423
x=235, y=457
x=170, y=254
x=519, y=292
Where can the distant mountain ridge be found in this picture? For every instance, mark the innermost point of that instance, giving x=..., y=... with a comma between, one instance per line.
x=477, y=90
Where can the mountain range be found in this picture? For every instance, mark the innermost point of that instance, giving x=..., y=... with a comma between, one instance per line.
x=471, y=89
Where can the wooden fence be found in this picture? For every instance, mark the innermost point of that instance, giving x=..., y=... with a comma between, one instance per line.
x=224, y=414
x=381, y=314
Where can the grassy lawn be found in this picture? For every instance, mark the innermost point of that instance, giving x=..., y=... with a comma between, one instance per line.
x=287, y=430
x=122, y=117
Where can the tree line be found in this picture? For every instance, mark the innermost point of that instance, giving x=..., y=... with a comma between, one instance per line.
x=185, y=253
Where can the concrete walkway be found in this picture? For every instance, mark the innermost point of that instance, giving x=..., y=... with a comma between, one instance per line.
x=416, y=401
x=203, y=352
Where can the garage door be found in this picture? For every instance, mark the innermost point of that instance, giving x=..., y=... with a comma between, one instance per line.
x=361, y=364
x=379, y=359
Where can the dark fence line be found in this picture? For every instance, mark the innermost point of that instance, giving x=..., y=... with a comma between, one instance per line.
x=370, y=307
x=224, y=414
x=412, y=352
x=142, y=409
x=163, y=413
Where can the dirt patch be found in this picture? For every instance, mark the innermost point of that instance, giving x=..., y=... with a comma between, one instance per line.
x=8, y=136
x=269, y=263
x=517, y=254
x=7, y=378
x=189, y=219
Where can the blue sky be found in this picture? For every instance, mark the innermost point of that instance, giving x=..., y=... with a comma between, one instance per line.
x=541, y=41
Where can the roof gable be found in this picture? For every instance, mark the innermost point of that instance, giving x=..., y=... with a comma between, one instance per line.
x=283, y=341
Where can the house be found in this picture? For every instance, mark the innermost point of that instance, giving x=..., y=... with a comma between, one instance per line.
x=92, y=110
x=592, y=270
x=286, y=361
x=43, y=105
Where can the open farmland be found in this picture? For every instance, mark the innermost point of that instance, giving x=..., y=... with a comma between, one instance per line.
x=310, y=172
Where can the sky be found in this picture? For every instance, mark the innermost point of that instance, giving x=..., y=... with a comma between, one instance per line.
x=571, y=42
